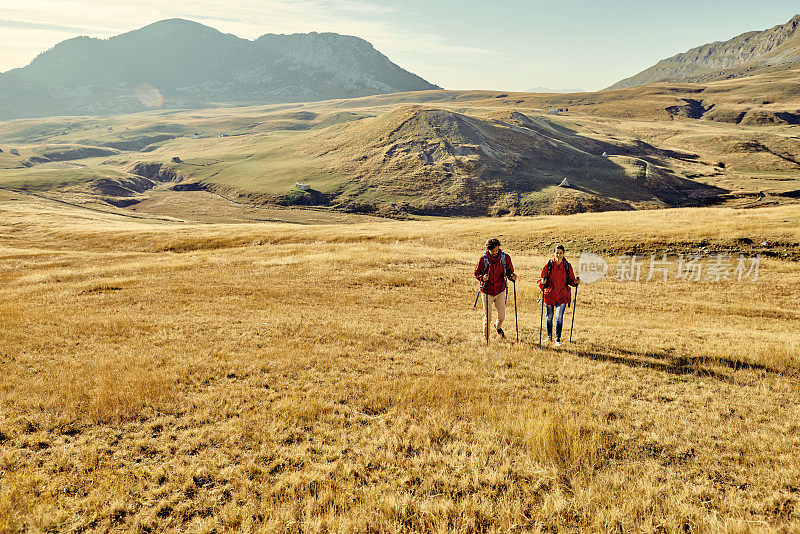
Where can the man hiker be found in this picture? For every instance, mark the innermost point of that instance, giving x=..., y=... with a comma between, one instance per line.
x=492, y=269
x=556, y=278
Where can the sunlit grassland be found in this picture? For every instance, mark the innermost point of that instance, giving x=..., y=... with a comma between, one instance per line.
x=305, y=379
x=266, y=149
x=53, y=177
x=257, y=163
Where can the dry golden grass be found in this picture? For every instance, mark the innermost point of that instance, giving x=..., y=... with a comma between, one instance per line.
x=267, y=377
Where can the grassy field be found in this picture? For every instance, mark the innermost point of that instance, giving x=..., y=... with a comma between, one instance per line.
x=55, y=176
x=268, y=377
x=201, y=206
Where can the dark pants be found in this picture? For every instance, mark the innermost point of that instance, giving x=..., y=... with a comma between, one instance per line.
x=559, y=309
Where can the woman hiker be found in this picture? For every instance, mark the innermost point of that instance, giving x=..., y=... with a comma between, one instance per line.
x=493, y=268
x=556, y=278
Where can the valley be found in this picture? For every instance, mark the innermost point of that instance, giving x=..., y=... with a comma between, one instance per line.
x=430, y=153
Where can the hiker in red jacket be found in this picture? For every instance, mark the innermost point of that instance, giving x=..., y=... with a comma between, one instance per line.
x=556, y=278
x=492, y=269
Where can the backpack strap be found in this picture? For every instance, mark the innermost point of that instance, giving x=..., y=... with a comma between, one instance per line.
x=502, y=262
x=566, y=270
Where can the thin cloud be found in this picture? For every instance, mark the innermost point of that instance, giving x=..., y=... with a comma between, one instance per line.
x=31, y=25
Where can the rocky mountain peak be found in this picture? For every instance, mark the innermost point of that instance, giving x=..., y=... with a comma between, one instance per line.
x=192, y=64
x=745, y=54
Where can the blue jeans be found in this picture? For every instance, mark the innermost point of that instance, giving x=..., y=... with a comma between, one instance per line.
x=559, y=309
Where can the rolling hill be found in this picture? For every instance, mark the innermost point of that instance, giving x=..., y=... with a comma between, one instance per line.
x=426, y=160
x=411, y=159
x=433, y=152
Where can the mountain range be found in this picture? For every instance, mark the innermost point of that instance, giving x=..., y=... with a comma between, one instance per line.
x=418, y=152
x=750, y=53
x=179, y=63
x=541, y=89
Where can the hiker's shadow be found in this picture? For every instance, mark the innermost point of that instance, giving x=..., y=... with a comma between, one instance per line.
x=666, y=360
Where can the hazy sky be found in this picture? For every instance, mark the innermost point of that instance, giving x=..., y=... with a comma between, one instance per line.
x=468, y=44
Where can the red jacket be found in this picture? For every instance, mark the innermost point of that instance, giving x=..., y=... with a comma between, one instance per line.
x=496, y=283
x=558, y=291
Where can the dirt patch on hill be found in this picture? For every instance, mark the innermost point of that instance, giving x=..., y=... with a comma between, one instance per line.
x=209, y=207
x=579, y=202
x=128, y=189
x=158, y=172
x=67, y=153
x=766, y=117
x=134, y=144
x=121, y=187
x=692, y=109
x=733, y=114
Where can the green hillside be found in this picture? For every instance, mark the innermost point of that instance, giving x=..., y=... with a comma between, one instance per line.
x=424, y=153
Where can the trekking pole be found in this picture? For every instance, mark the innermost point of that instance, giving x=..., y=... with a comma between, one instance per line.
x=574, y=305
x=486, y=315
x=541, y=318
x=478, y=295
x=516, y=322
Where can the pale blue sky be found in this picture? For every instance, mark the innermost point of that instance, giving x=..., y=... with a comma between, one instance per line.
x=513, y=45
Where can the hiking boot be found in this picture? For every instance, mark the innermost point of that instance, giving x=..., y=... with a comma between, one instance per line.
x=500, y=332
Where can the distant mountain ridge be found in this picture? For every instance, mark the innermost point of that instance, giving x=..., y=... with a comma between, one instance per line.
x=192, y=64
x=550, y=90
x=777, y=48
